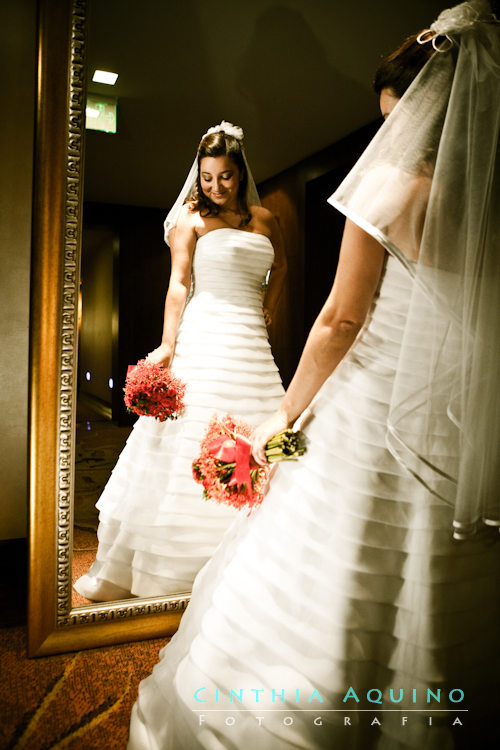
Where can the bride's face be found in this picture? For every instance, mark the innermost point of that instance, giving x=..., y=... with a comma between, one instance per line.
x=220, y=180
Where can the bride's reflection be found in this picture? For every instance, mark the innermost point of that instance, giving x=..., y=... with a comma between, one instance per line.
x=155, y=529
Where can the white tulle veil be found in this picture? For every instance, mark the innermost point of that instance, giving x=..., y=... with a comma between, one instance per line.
x=252, y=195
x=428, y=189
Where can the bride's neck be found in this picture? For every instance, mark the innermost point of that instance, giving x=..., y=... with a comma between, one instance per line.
x=230, y=210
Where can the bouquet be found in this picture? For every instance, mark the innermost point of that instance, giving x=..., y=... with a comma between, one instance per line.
x=152, y=390
x=226, y=468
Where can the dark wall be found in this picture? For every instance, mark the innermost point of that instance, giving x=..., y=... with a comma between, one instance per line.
x=312, y=231
x=95, y=343
x=140, y=279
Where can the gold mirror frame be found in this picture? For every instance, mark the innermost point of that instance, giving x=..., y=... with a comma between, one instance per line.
x=53, y=625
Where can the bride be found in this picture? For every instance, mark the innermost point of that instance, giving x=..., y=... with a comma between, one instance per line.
x=358, y=607
x=155, y=530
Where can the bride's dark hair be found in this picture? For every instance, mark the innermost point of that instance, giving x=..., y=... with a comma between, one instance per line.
x=399, y=69
x=221, y=144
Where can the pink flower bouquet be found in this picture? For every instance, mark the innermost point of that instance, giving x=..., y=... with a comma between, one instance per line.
x=226, y=468
x=151, y=390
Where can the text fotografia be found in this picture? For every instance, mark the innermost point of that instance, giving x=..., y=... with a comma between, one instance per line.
x=261, y=696
x=230, y=720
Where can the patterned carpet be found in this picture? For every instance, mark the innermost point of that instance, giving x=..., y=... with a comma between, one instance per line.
x=98, y=445
x=80, y=701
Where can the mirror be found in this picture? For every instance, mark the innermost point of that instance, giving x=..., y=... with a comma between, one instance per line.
x=54, y=624
x=245, y=66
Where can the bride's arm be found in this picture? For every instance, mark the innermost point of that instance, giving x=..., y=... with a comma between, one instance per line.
x=334, y=331
x=182, y=244
x=278, y=269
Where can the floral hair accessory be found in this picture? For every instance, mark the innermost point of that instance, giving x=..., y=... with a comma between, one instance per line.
x=228, y=128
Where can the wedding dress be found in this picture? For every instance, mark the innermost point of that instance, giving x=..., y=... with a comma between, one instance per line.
x=155, y=529
x=359, y=607
x=345, y=580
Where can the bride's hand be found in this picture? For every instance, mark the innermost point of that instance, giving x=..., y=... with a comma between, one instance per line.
x=276, y=423
x=161, y=356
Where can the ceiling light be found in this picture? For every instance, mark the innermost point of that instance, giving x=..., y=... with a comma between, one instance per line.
x=103, y=76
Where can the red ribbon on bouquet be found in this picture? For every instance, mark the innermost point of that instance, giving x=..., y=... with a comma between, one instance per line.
x=237, y=451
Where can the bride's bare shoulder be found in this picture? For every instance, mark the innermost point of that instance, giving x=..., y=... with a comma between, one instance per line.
x=189, y=216
x=263, y=220
x=188, y=210
x=259, y=212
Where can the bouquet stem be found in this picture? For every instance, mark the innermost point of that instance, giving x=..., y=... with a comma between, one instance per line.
x=285, y=446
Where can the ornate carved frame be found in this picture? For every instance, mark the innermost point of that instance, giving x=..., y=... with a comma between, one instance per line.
x=57, y=215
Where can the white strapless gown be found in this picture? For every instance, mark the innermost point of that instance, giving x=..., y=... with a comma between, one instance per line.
x=347, y=576
x=155, y=529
